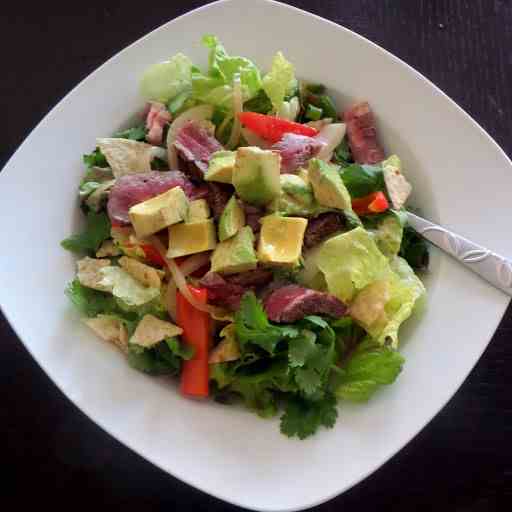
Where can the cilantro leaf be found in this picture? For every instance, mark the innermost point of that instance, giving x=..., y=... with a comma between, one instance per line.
x=179, y=349
x=136, y=133
x=95, y=159
x=157, y=360
x=260, y=103
x=252, y=326
x=97, y=230
x=414, y=249
x=362, y=180
x=369, y=367
x=301, y=348
x=302, y=418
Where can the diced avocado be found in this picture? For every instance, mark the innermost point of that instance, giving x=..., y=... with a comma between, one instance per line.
x=231, y=220
x=281, y=240
x=198, y=210
x=256, y=175
x=303, y=173
x=296, y=197
x=328, y=186
x=159, y=212
x=236, y=254
x=220, y=166
x=191, y=238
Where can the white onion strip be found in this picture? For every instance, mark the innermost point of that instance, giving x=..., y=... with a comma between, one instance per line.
x=194, y=263
x=177, y=275
x=171, y=299
x=198, y=113
x=238, y=106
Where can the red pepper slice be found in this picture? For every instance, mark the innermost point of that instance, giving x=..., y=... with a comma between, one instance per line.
x=196, y=332
x=375, y=202
x=152, y=255
x=273, y=128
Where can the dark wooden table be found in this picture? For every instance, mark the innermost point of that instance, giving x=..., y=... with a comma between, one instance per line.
x=51, y=452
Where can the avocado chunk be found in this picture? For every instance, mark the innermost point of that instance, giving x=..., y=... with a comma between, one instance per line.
x=296, y=198
x=159, y=212
x=256, y=175
x=191, y=238
x=198, y=210
x=281, y=240
x=231, y=220
x=220, y=166
x=328, y=186
x=235, y=254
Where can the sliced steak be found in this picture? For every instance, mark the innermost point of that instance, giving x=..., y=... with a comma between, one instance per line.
x=157, y=117
x=321, y=227
x=296, y=150
x=362, y=134
x=195, y=144
x=221, y=293
x=218, y=196
x=251, y=278
x=253, y=215
x=132, y=189
x=227, y=291
x=293, y=302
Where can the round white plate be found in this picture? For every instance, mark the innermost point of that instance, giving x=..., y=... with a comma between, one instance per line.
x=225, y=451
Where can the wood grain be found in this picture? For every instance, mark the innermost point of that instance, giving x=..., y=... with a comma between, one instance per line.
x=462, y=461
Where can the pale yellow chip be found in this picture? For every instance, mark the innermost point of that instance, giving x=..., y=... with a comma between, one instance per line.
x=368, y=306
x=89, y=273
x=109, y=328
x=228, y=349
x=146, y=275
x=151, y=330
x=108, y=248
x=126, y=156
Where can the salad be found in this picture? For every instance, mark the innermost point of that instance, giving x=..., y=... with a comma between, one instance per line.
x=248, y=237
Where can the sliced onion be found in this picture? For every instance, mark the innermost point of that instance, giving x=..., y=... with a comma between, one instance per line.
x=170, y=299
x=331, y=135
x=179, y=279
x=238, y=106
x=254, y=140
x=194, y=263
x=199, y=113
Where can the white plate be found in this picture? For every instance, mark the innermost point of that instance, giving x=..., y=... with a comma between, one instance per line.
x=225, y=451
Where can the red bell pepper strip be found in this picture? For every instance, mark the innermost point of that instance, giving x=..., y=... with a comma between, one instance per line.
x=196, y=332
x=372, y=203
x=152, y=255
x=273, y=128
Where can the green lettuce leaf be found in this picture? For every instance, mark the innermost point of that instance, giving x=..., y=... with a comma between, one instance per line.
x=216, y=86
x=157, y=360
x=368, y=368
x=278, y=82
x=165, y=80
x=414, y=249
x=95, y=159
x=349, y=262
x=97, y=230
x=126, y=288
x=90, y=302
x=362, y=180
x=135, y=133
x=388, y=229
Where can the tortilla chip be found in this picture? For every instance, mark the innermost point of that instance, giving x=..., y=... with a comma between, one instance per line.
x=146, y=275
x=108, y=248
x=151, y=330
x=399, y=189
x=111, y=329
x=89, y=273
x=126, y=156
x=228, y=349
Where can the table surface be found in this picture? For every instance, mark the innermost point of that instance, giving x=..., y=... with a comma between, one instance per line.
x=460, y=462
